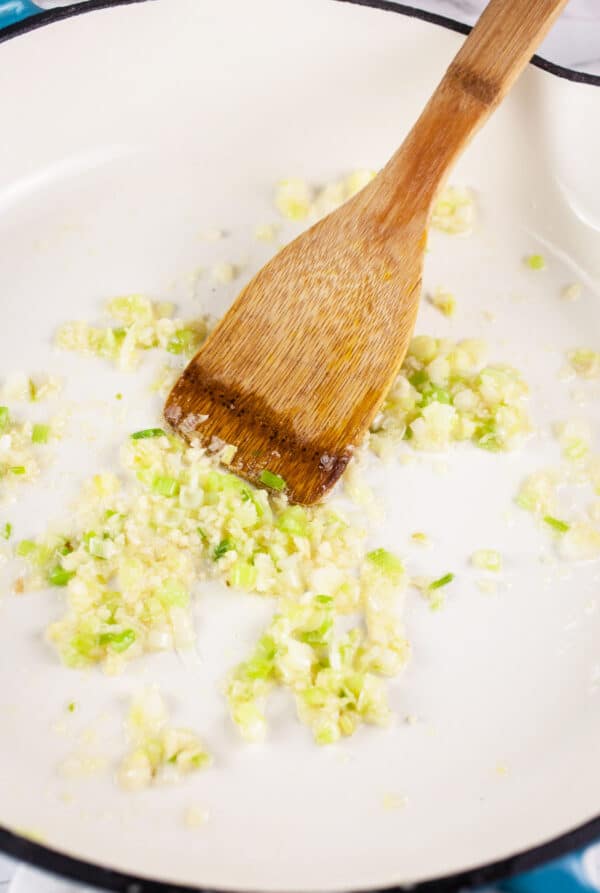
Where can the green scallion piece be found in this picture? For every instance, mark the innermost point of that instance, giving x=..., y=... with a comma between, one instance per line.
x=72, y=707
x=442, y=581
x=223, y=547
x=165, y=486
x=40, y=434
x=272, y=480
x=536, y=262
x=556, y=524
x=181, y=341
x=25, y=548
x=58, y=576
x=6, y=531
x=172, y=593
x=118, y=641
x=419, y=378
x=433, y=394
x=17, y=469
x=243, y=575
x=317, y=637
x=148, y=432
x=387, y=563
x=261, y=664
x=293, y=520
x=4, y=417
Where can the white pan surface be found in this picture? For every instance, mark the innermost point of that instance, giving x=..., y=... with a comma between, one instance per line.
x=125, y=134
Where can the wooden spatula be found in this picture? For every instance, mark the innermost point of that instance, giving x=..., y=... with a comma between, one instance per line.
x=295, y=371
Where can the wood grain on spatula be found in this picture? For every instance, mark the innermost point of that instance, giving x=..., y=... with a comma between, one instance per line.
x=294, y=373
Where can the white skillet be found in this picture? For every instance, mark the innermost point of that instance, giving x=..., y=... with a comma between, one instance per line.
x=120, y=132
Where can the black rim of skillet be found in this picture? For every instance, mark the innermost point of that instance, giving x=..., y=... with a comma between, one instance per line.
x=26, y=850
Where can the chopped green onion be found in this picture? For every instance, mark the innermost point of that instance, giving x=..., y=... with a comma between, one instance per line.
x=272, y=480
x=486, y=437
x=433, y=394
x=220, y=550
x=32, y=390
x=243, y=575
x=17, y=469
x=97, y=546
x=81, y=646
x=58, y=576
x=315, y=696
x=388, y=563
x=525, y=502
x=420, y=537
x=6, y=531
x=4, y=417
x=71, y=707
x=254, y=497
x=181, y=341
x=487, y=559
x=118, y=641
x=200, y=759
x=40, y=433
x=293, y=520
x=25, y=548
x=118, y=396
x=442, y=581
x=419, y=378
x=165, y=486
x=172, y=593
x=585, y=362
x=535, y=262
x=261, y=664
x=318, y=636
x=557, y=524
x=119, y=332
x=148, y=432
x=109, y=513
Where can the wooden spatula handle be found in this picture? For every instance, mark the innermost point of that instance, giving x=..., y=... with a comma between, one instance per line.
x=491, y=58
x=501, y=44
x=294, y=373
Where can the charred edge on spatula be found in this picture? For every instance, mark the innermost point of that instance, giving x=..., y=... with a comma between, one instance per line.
x=255, y=412
x=480, y=88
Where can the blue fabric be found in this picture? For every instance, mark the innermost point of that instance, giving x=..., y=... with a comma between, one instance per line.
x=567, y=875
x=12, y=11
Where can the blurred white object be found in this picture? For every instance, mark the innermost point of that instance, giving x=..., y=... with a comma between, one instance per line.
x=573, y=42
x=31, y=880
